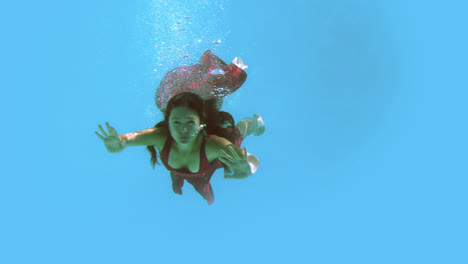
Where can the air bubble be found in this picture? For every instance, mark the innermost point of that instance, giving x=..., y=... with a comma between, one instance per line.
x=217, y=72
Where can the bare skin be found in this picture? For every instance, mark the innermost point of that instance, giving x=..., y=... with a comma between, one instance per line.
x=185, y=127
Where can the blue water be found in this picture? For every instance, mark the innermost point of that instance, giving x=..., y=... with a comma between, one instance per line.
x=364, y=159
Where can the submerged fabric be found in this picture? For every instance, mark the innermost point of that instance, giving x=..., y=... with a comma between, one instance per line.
x=210, y=78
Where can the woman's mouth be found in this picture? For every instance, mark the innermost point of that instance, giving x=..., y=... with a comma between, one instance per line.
x=184, y=138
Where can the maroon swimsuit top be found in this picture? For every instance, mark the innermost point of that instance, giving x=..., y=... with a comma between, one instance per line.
x=206, y=168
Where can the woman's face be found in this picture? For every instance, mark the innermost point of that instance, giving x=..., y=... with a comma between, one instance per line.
x=184, y=124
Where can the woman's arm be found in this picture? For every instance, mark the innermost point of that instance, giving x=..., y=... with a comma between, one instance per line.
x=116, y=143
x=240, y=163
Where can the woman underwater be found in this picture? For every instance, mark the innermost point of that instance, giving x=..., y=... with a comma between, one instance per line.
x=195, y=138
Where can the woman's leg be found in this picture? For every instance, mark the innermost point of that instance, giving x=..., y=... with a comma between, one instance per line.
x=203, y=187
x=254, y=125
x=177, y=183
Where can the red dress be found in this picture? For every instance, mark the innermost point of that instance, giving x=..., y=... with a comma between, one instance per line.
x=209, y=78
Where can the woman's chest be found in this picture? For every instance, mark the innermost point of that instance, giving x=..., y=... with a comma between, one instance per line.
x=184, y=161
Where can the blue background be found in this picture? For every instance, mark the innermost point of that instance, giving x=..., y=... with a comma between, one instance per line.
x=364, y=159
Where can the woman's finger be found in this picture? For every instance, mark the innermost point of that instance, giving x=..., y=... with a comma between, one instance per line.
x=110, y=129
x=99, y=135
x=103, y=131
x=226, y=155
x=234, y=153
x=225, y=161
x=113, y=132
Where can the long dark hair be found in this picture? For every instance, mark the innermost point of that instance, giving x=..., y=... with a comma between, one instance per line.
x=217, y=122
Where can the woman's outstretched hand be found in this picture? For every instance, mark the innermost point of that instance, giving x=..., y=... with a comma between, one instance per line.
x=239, y=165
x=111, y=140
